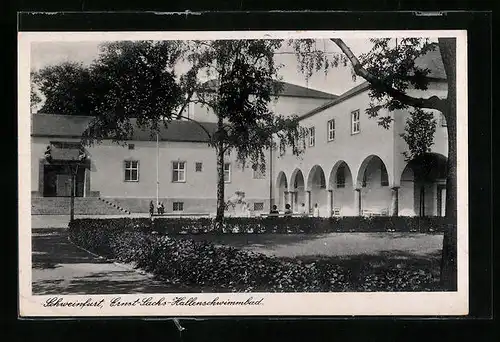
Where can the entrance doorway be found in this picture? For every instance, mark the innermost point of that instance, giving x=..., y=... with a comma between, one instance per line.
x=57, y=181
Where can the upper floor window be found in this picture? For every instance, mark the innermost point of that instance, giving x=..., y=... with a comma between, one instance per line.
x=199, y=167
x=312, y=136
x=131, y=168
x=179, y=171
x=257, y=172
x=227, y=172
x=355, y=122
x=340, y=177
x=131, y=146
x=331, y=129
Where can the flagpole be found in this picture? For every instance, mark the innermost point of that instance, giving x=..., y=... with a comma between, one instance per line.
x=157, y=169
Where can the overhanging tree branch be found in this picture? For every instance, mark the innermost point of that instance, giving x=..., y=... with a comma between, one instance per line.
x=432, y=102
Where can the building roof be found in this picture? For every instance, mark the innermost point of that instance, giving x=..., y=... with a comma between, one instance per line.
x=294, y=90
x=431, y=60
x=55, y=125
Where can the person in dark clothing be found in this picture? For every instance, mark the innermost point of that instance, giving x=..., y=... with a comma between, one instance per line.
x=151, y=208
x=274, y=210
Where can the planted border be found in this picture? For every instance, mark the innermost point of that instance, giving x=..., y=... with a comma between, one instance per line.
x=274, y=225
x=198, y=266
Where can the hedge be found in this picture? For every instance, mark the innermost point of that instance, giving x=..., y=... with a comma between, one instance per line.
x=277, y=225
x=302, y=225
x=201, y=266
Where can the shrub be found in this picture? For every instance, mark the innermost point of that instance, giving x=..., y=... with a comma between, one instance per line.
x=191, y=264
x=301, y=225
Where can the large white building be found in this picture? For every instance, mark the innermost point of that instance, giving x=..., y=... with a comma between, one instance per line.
x=351, y=166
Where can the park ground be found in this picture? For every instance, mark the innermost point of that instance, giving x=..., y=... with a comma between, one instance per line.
x=60, y=267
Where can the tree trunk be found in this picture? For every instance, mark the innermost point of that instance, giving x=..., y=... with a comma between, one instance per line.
x=219, y=218
x=449, y=252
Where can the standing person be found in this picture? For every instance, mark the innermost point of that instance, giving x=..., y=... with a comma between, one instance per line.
x=151, y=208
x=316, y=210
x=162, y=208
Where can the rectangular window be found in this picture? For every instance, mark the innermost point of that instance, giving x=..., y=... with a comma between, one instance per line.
x=331, y=130
x=227, y=172
x=312, y=136
x=177, y=206
x=178, y=171
x=355, y=122
x=257, y=172
x=258, y=206
x=131, y=170
x=341, y=177
x=198, y=167
x=131, y=146
x=384, y=177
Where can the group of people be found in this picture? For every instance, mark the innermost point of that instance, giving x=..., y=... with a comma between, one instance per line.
x=160, y=208
x=302, y=210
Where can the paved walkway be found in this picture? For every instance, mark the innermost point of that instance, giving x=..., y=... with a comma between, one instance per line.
x=60, y=267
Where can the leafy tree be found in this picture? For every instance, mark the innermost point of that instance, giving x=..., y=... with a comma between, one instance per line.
x=35, y=99
x=65, y=87
x=138, y=80
x=243, y=74
x=391, y=71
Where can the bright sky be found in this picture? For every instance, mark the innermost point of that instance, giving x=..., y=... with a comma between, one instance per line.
x=337, y=81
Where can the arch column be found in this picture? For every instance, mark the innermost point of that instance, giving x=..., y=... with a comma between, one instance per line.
x=357, y=201
x=287, y=198
x=329, y=203
x=308, y=201
x=395, y=200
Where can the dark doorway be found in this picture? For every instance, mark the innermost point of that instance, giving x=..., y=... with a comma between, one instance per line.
x=57, y=181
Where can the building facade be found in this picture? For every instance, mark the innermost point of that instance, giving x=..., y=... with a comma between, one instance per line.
x=351, y=165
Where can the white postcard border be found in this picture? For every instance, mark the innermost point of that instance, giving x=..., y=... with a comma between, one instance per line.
x=272, y=304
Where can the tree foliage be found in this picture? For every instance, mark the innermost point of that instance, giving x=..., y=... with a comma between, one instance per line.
x=66, y=88
x=243, y=81
x=134, y=83
x=391, y=69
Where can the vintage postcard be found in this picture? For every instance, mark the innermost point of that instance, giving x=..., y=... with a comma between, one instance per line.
x=301, y=173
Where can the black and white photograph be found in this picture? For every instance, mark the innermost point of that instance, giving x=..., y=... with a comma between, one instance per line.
x=243, y=173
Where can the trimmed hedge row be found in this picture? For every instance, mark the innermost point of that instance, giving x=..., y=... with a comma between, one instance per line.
x=202, y=266
x=284, y=225
x=303, y=225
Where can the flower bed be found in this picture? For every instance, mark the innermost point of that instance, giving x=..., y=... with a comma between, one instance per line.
x=202, y=265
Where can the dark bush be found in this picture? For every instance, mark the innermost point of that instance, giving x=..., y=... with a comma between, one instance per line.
x=301, y=225
x=203, y=266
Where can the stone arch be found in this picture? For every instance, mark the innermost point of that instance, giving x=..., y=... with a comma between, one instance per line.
x=373, y=183
x=423, y=186
x=332, y=179
x=316, y=190
x=371, y=159
x=282, y=186
x=342, y=190
x=297, y=187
